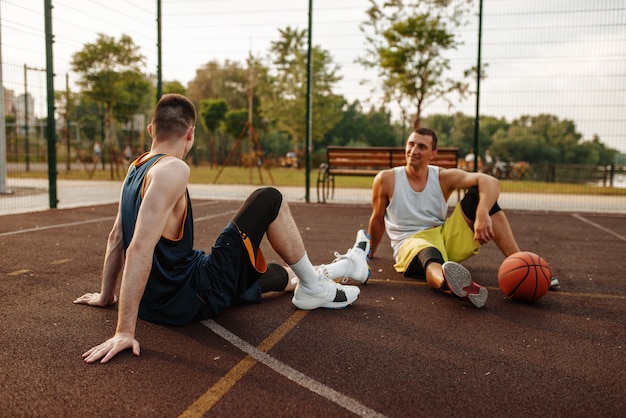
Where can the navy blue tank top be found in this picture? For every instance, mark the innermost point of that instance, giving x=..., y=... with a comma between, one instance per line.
x=170, y=296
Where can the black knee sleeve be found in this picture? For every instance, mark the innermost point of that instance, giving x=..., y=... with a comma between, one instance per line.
x=418, y=265
x=275, y=279
x=429, y=255
x=469, y=203
x=258, y=212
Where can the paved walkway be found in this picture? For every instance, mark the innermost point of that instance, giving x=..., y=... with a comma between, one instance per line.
x=31, y=195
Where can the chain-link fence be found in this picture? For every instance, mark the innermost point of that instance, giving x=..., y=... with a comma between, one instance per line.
x=565, y=58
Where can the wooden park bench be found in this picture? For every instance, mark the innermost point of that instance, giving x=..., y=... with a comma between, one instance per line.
x=368, y=161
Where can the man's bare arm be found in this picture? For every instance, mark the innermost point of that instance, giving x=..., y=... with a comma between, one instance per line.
x=488, y=191
x=380, y=201
x=165, y=185
x=111, y=270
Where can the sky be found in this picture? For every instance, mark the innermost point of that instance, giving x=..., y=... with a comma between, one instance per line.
x=562, y=57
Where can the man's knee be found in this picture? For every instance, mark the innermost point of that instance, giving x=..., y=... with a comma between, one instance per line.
x=258, y=212
x=419, y=264
x=266, y=200
x=469, y=204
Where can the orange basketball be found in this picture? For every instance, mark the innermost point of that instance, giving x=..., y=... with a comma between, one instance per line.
x=524, y=276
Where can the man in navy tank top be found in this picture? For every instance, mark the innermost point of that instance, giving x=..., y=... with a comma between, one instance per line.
x=165, y=280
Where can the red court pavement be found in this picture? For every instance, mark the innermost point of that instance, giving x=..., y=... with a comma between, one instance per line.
x=401, y=350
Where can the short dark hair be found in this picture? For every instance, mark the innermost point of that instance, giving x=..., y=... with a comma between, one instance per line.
x=173, y=115
x=427, y=132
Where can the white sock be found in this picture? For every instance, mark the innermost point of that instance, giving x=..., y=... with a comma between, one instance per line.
x=337, y=269
x=305, y=271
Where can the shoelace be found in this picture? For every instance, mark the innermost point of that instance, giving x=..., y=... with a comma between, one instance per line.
x=324, y=270
x=339, y=257
x=329, y=286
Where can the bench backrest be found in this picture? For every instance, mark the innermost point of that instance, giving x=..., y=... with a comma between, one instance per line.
x=380, y=158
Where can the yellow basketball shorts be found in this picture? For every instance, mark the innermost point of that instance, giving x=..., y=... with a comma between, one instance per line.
x=454, y=239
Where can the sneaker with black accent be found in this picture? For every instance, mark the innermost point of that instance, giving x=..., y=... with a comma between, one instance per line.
x=364, y=242
x=357, y=259
x=327, y=294
x=554, y=284
x=460, y=282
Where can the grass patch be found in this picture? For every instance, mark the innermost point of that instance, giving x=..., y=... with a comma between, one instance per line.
x=296, y=177
x=511, y=186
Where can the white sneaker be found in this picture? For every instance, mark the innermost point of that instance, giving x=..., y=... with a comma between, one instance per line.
x=357, y=258
x=554, y=284
x=329, y=295
x=364, y=242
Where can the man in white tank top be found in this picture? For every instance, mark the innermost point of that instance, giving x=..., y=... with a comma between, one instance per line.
x=410, y=203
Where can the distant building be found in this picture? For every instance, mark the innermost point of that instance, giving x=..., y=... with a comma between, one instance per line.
x=9, y=97
x=20, y=104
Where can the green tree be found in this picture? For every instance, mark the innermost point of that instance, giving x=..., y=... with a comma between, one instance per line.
x=606, y=155
x=443, y=125
x=407, y=44
x=544, y=139
x=234, y=122
x=488, y=127
x=174, y=87
x=110, y=73
x=283, y=90
x=135, y=99
x=234, y=84
x=351, y=129
x=89, y=116
x=212, y=113
x=359, y=128
x=380, y=131
x=229, y=81
x=462, y=135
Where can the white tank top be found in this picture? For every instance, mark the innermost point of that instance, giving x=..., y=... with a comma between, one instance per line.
x=409, y=211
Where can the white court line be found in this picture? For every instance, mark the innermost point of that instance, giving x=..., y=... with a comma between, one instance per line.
x=89, y=221
x=292, y=374
x=607, y=230
x=215, y=215
x=44, y=228
x=285, y=370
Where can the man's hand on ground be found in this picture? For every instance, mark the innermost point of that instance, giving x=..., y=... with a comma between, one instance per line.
x=96, y=299
x=111, y=347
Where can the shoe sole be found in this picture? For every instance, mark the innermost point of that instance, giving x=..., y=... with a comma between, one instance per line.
x=460, y=282
x=307, y=306
x=315, y=303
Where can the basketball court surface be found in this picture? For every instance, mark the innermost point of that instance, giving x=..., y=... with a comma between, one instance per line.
x=401, y=350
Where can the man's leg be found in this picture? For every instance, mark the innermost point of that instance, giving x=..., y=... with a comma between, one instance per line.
x=504, y=238
x=428, y=262
x=447, y=276
x=354, y=263
x=267, y=212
